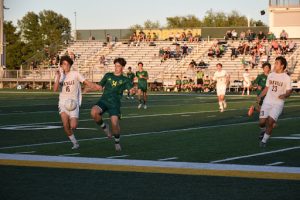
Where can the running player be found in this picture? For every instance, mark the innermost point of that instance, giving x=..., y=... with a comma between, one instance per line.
x=113, y=85
x=260, y=81
x=131, y=76
x=142, y=77
x=246, y=82
x=69, y=84
x=278, y=88
x=222, y=79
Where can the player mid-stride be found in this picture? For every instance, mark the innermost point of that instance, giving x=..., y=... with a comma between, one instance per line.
x=278, y=88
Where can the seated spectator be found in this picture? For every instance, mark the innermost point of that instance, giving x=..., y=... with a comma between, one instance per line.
x=177, y=36
x=154, y=37
x=202, y=64
x=102, y=60
x=171, y=36
x=271, y=36
x=275, y=46
x=234, y=35
x=234, y=53
x=193, y=63
x=190, y=36
x=228, y=35
x=291, y=45
x=211, y=52
x=161, y=52
x=242, y=35
x=197, y=38
x=148, y=39
x=283, y=35
x=183, y=37
x=184, y=50
x=283, y=47
x=261, y=35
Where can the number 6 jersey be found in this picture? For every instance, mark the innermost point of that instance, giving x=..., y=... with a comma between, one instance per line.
x=278, y=84
x=70, y=86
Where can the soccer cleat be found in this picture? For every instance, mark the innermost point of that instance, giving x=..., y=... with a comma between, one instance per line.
x=75, y=146
x=132, y=97
x=250, y=111
x=118, y=147
x=145, y=107
x=107, y=131
x=139, y=106
x=262, y=144
x=221, y=110
x=127, y=97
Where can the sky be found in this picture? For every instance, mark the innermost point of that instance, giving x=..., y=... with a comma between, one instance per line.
x=118, y=14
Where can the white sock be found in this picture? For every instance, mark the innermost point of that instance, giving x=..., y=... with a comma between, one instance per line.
x=73, y=139
x=265, y=138
x=248, y=92
x=221, y=104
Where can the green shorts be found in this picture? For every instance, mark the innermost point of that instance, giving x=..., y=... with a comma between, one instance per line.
x=113, y=110
x=143, y=87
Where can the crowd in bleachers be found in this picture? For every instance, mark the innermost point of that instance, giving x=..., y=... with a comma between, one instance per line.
x=177, y=53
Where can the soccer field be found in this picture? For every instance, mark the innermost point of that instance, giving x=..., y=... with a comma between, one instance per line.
x=181, y=147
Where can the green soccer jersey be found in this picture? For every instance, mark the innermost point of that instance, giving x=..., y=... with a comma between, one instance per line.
x=178, y=82
x=114, y=87
x=261, y=80
x=130, y=75
x=142, y=82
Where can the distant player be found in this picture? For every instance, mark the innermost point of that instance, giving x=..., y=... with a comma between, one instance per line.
x=278, y=88
x=246, y=82
x=222, y=79
x=142, y=77
x=131, y=76
x=113, y=85
x=260, y=81
x=68, y=82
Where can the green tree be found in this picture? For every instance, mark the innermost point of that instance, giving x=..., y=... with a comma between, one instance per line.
x=189, y=21
x=14, y=46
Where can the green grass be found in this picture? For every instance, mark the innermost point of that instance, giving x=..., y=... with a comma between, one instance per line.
x=188, y=127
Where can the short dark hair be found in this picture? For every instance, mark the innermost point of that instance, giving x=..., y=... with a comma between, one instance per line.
x=140, y=63
x=129, y=67
x=121, y=61
x=220, y=64
x=66, y=58
x=282, y=61
x=266, y=64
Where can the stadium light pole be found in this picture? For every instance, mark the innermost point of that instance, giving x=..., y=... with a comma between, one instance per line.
x=75, y=26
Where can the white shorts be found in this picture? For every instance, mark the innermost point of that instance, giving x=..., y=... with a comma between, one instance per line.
x=221, y=90
x=72, y=114
x=268, y=110
x=246, y=84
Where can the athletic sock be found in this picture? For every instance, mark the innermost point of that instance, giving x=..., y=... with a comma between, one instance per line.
x=117, y=139
x=102, y=124
x=73, y=139
x=221, y=104
x=265, y=138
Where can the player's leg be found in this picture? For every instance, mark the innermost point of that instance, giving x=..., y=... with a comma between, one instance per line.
x=96, y=114
x=139, y=98
x=248, y=90
x=67, y=128
x=145, y=99
x=243, y=93
x=220, y=103
x=116, y=131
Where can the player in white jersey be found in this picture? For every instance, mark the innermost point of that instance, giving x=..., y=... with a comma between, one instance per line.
x=278, y=88
x=69, y=84
x=222, y=79
x=246, y=82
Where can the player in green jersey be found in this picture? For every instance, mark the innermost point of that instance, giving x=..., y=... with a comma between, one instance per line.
x=131, y=76
x=113, y=85
x=142, y=77
x=260, y=81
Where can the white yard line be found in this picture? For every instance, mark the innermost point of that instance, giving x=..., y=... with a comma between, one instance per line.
x=26, y=152
x=166, y=159
x=70, y=154
x=275, y=163
x=145, y=133
x=254, y=155
x=122, y=156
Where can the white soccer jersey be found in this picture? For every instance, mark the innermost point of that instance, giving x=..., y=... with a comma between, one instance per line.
x=70, y=86
x=221, y=78
x=278, y=84
x=246, y=77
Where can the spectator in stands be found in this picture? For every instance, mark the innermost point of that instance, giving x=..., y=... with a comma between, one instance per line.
x=190, y=36
x=72, y=56
x=242, y=35
x=177, y=36
x=171, y=36
x=228, y=35
x=207, y=84
x=234, y=35
x=264, y=58
x=178, y=83
x=184, y=50
x=291, y=45
x=141, y=36
x=161, y=52
x=271, y=36
x=102, y=60
x=148, y=39
x=234, y=53
x=284, y=35
x=275, y=47
x=193, y=63
x=154, y=37
x=202, y=64
x=197, y=38
x=211, y=53
x=283, y=47
x=108, y=38
x=261, y=36
x=199, y=75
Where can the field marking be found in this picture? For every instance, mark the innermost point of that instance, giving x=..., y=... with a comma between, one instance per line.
x=122, y=156
x=185, y=115
x=287, y=138
x=275, y=163
x=144, y=133
x=257, y=154
x=166, y=159
x=26, y=152
x=144, y=166
x=211, y=116
x=70, y=154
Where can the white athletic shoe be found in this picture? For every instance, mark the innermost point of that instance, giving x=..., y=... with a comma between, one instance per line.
x=145, y=107
x=75, y=146
x=118, y=147
x=132, y=97
x=139, y=106
x=107, y=131
x=221, y=109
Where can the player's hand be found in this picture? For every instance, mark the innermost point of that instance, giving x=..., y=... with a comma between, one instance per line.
x=282, y=96
x=259, y=87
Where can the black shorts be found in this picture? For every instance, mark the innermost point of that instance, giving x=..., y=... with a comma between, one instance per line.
x=200, y=81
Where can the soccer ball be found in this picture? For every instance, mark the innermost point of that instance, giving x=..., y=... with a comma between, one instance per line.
x=70, y=104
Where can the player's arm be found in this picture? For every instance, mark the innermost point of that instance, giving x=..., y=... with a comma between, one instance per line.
x=90, y=86
x=286, y=95
x=263, y=93
x=56, y=81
